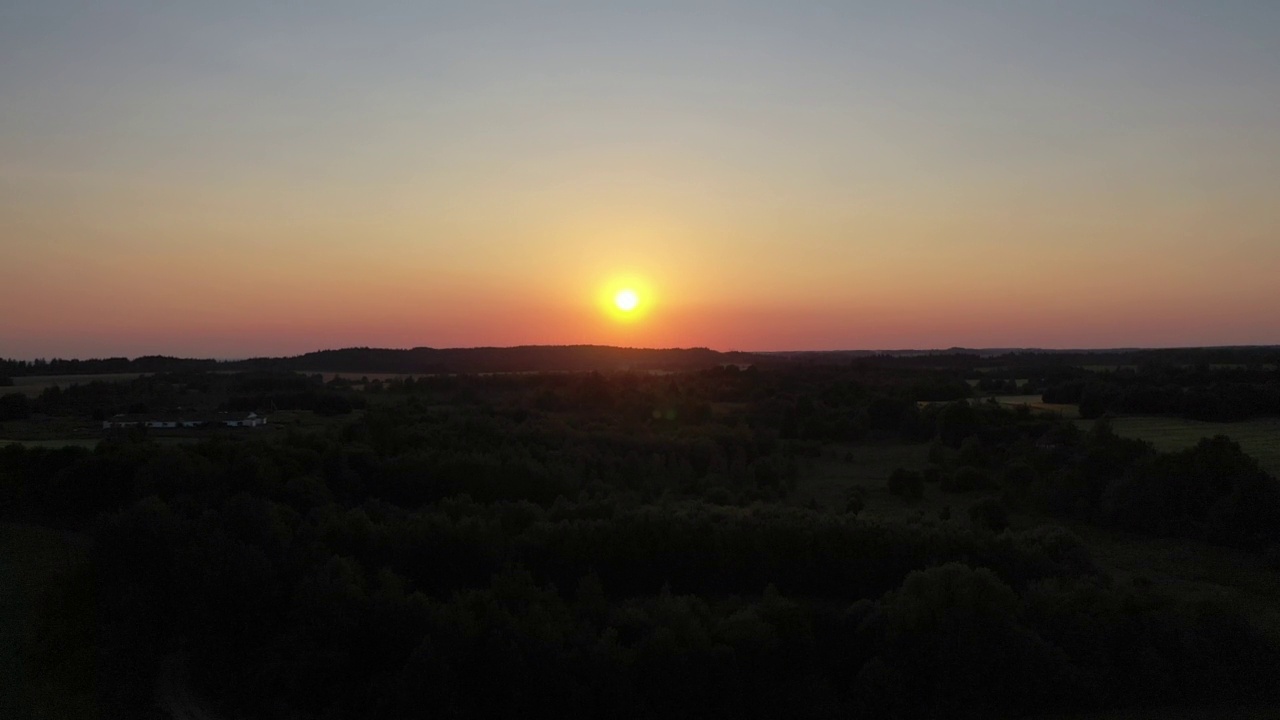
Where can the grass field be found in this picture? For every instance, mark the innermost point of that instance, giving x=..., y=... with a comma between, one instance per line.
x=43, y=429
x=90, y=443
x=1190, y=570
x=370, y=376
x=1260, y=438
x=33, y=385
x=1243, y=712
x=826, y=480
x=1035, y=403
x=825, y=483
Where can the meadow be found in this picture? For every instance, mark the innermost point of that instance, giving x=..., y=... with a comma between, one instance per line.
x=1259, y=438
x=826, y=481
x=33, y=385
x=1035, y=402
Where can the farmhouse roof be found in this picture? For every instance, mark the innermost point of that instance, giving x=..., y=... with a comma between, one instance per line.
x=183, y=417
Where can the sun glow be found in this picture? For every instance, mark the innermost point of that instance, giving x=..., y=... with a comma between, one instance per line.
x=626, y=300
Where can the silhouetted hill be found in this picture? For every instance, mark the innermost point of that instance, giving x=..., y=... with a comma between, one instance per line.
x=577, y=358
x=529, y=358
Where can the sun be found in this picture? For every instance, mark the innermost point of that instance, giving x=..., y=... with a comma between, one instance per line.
x=626, y=300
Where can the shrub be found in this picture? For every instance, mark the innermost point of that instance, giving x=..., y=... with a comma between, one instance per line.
x=989, y=514
x=906, y=484
x=965, y=479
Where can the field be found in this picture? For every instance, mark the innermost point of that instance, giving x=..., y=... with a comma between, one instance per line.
x=825, y=483
x=89, y=443
x=1035, y=403
x=1260, y=438
x=1190, y=569
x=33, y=385
x=1246, y=712
x=328, y=376
x=51, y=431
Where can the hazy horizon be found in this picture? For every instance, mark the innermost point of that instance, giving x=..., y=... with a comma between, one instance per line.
x=900, y=350
x=239, y=179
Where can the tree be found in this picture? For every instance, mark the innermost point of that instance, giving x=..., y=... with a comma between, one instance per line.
x=906, y=484
x=956, y=422
x=989, y=514
x=15, y=406
x=953, y=646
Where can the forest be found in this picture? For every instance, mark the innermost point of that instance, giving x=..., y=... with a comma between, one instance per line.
x=637, y=543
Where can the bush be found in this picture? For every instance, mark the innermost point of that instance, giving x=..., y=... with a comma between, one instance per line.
x=972, y=452
x=855, y=500
x=1018, y=475
x=906, y=484
x=965, y=479
x=989, y=514
x=14, y=406
x=953, y=645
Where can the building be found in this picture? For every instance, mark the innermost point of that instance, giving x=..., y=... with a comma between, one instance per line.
x=184, y=420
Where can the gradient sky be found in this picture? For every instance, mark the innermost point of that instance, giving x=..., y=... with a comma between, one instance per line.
x=237, y=178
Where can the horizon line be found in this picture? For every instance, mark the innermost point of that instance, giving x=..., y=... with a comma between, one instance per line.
x=886, y=351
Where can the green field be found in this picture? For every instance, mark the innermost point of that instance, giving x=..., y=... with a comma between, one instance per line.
x=1260, y=438
x=1244, y=712
x=90, y=443
x=33, y=385
x=825, y=483
x=1190, y=570
x=826, y=480
x=370, y=376
x=1035, y=403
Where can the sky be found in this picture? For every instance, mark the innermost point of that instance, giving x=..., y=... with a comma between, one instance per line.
x=238, y=179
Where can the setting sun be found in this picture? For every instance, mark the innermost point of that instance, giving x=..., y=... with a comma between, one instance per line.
x=626, y=300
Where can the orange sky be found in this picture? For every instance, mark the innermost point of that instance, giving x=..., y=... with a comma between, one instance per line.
x=239, y=181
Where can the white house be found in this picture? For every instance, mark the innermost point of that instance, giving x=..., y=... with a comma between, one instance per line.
x=184, y=420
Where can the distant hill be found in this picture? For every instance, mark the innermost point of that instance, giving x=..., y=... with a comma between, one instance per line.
x=578, y=358
x=527, y=358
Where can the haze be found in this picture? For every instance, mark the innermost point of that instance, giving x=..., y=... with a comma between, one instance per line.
x=236, y=178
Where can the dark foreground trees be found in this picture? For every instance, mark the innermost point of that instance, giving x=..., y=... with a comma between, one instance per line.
x=624, y=546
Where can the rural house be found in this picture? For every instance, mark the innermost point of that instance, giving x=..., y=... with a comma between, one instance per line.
x=185, y=420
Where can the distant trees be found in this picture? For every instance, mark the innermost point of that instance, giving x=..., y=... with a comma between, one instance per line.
x=906, y=484
x=14, y=406
x=1200, y=392
x=1213, y=491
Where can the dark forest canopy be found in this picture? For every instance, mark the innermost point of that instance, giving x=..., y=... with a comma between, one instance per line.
x=629, y=544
